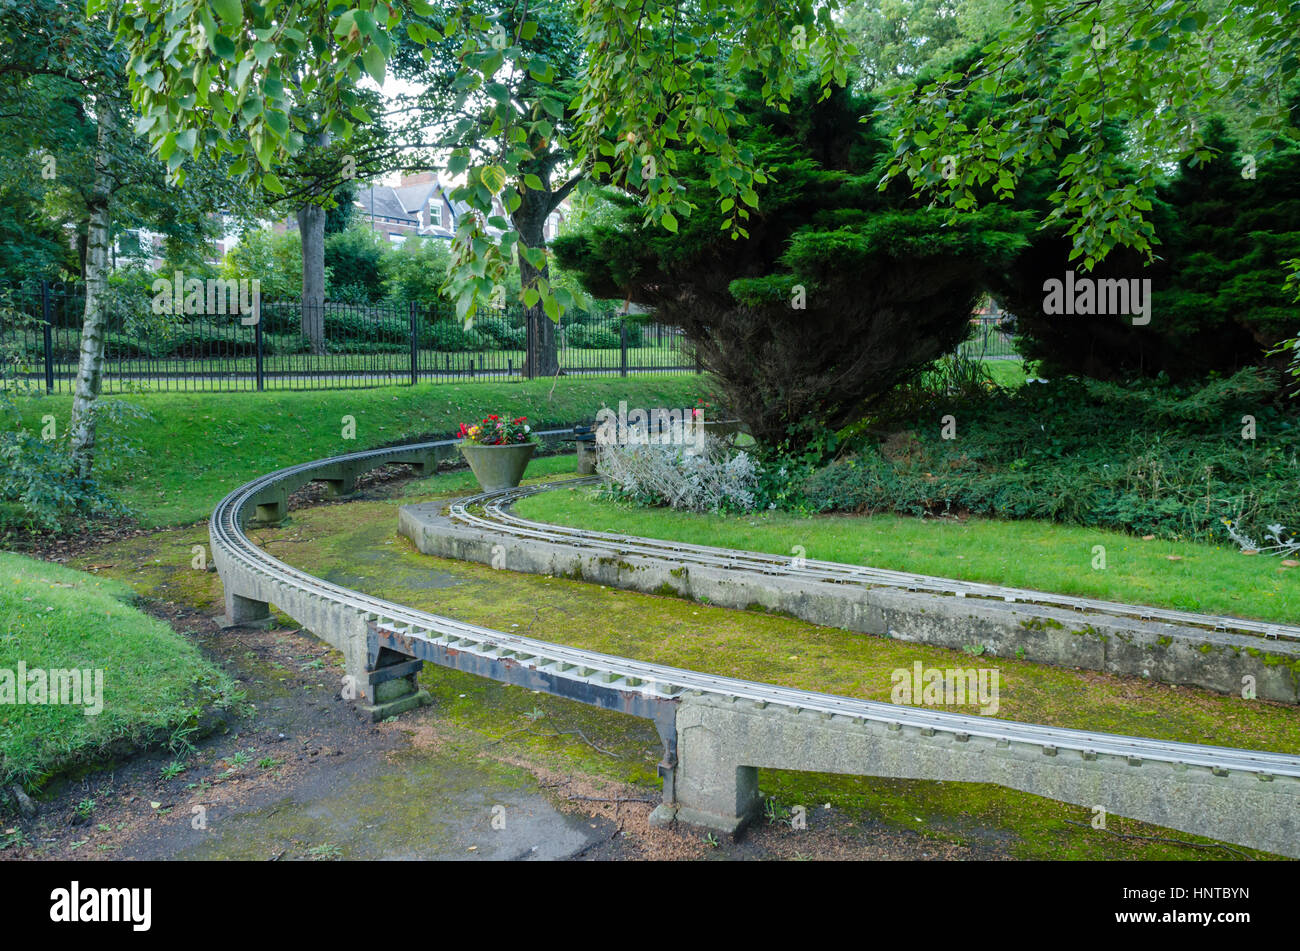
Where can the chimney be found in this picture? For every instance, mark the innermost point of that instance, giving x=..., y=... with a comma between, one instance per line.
x=419, y=178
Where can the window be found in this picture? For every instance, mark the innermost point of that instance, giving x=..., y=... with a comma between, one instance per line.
x=435, y=212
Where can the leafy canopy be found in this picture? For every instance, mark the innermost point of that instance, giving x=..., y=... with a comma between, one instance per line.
x=222, y=76
x=1061, y=71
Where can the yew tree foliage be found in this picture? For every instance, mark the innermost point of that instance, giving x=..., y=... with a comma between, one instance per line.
x=838, y=293
x=1219, y=300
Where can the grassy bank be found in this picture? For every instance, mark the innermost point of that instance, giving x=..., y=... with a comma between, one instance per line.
x=196, y=447
x=155, y=684
x=1029, y=554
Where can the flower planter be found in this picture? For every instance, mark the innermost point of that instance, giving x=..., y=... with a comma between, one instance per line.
x=498, y=467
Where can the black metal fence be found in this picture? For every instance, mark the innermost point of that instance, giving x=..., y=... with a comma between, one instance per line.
x=991, y=338
x=212, y=346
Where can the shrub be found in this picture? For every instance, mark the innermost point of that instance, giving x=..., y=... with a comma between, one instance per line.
x=450, y=336
x=710, y=480
x=591, y=337
x=500, y=335
x=1153, y=459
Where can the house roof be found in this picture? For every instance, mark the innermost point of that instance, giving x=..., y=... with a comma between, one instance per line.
x=414, y=197
x=383, y=201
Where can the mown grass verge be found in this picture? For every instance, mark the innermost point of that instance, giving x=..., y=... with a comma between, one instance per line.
x=156, y=686
x=196, y=447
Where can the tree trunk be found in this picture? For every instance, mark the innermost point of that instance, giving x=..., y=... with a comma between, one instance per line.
x=311, y=225
x=95, y=317
x=542, y=355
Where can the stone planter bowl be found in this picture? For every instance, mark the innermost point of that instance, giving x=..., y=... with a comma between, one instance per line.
x=498, y=467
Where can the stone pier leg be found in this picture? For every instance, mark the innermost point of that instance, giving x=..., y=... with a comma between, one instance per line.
x=337, y=488
x=245, y=612
x=709, y=789
x=271, y=511
x=392, y=687
x=344, y=479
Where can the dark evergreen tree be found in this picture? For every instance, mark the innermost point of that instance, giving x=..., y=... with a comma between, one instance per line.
x=837, y=293
x=1226, y=227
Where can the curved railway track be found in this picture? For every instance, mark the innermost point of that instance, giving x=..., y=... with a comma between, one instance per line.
x=648, y=689
x=498, y=517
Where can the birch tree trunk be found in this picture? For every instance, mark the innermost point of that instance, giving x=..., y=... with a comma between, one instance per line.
x=95, y=317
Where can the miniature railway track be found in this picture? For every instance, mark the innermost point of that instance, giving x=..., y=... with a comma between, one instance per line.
x=659, y=684
x=497, y=516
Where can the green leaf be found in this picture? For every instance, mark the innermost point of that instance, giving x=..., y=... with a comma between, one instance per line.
x=223, y=46
x=272, y=184
x=494, y=177
x=669, y=222
x=373, y=58
x=229, y=11
x=277, y=122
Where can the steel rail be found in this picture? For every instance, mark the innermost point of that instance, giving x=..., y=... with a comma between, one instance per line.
x=664, y=682
x=498, y=517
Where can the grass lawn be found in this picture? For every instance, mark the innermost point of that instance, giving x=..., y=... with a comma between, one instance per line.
x=1028, y=554
x=1007, y=372
x=199, y=446
x=156, y=685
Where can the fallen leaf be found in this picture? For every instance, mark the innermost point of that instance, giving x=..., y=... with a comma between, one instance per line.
x=155, y=805
x=1291, y=564
x=1249, y=551
x=1148, y=538
x=1174, y=557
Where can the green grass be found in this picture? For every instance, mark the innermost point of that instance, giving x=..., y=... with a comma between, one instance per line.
x=199, y=446
x=1030, y=554
x=154, y=681
x=1009, y=373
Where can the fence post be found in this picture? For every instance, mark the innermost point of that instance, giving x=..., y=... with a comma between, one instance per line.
x=48, y=330
x=412, y=313
x=699, y=367
x=257, y=337
x=622, y=348
x=531, y=347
